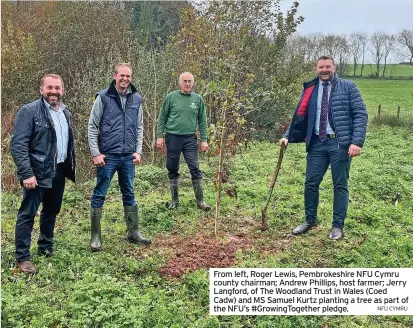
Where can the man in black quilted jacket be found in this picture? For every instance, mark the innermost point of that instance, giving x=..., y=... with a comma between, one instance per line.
x=331, y=118
x=42, y=146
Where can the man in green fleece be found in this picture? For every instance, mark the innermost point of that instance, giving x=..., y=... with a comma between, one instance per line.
x=182, y=112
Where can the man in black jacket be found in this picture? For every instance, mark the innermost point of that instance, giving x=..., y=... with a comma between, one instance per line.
x=42, y=146
x=115, y=134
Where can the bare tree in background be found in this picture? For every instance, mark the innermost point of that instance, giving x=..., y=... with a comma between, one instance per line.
x=315, y=49
x=308, y=46
x=337, y=47
x=387, y=49
x=296, y=46
x=342, y=54
x=405, y=40
x=378, y=40
x=357, y=44
x=330, y=44
x=364, y=40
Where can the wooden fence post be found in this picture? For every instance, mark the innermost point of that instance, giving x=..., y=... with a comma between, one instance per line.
x=379, y=112
x=398, y=112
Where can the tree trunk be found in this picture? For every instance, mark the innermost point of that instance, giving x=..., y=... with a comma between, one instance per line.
x=155, y=110
x=362, y=66
x=220, y=165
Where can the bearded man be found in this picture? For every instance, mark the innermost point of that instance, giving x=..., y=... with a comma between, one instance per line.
x=42, y=146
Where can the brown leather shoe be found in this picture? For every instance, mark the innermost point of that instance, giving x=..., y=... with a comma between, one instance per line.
x=26, y=267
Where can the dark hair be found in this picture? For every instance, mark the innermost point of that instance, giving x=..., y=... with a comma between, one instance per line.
x=55, y=76
x=326, y=58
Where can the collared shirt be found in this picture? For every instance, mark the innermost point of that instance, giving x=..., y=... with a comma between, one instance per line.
x=318, y=113
x=124, y=96
x=62, y=130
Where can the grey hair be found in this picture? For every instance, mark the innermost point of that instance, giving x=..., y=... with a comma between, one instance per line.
x=180, y=77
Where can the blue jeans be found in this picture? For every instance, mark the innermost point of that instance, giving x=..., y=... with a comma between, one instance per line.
x=320, y=156
x=186, y=144
x=51, y=199
x=123, y=164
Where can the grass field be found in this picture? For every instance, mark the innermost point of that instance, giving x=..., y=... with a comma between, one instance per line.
x=388, y=93
x=392, y=70
x=123, y=287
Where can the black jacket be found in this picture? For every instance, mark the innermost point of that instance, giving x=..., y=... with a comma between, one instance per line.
x=33, y=144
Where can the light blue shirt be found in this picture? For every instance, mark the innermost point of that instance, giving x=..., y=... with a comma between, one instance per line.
x=62, y=131
x=318, y=113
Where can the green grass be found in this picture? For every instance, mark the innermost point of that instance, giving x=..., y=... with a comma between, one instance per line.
x=388, y=93
x=116, y=289
x=392, y=70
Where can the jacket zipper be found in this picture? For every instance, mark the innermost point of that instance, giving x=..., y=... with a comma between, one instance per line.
x=49, y=117
x=72, y=141
x=332, y=112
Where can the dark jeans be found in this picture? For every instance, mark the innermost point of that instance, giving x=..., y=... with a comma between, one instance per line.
x=319, y=157
x=188, y=145
x=123, y=164
x=51, y=199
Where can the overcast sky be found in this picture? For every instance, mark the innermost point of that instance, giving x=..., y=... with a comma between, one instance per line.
x=346, y=16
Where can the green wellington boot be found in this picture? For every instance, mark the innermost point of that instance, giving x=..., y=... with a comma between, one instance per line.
x=132, y=224
x=95, y=239
x=173, y=184
x=199, y=195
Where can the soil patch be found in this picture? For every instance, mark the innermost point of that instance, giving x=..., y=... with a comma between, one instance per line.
x=203, y=251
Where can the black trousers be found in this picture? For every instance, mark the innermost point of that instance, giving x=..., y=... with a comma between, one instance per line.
x=186, y=144
x=51, y=199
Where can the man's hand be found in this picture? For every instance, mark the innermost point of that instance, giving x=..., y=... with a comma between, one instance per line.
x=30, y=183
x=204, y=146
x=354, y=150
x=160, y=143
x=137, y=158
x=284, y=141
x=99, y=160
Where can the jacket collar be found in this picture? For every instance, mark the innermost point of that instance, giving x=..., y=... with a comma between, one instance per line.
x=113, y=92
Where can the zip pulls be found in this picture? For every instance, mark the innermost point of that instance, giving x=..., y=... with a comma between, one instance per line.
x=332, y=111
x=71, y=138
x=49, y=117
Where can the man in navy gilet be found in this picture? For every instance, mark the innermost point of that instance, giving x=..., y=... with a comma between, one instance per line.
x=331, y=118
x=115, y=133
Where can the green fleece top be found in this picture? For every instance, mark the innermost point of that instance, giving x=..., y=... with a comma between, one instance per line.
x=181, y=114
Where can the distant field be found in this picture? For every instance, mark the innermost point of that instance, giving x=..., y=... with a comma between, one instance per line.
x=392, y=70
x=388, y=93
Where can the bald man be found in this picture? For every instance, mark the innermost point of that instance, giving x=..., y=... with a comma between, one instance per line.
x=183, y=111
